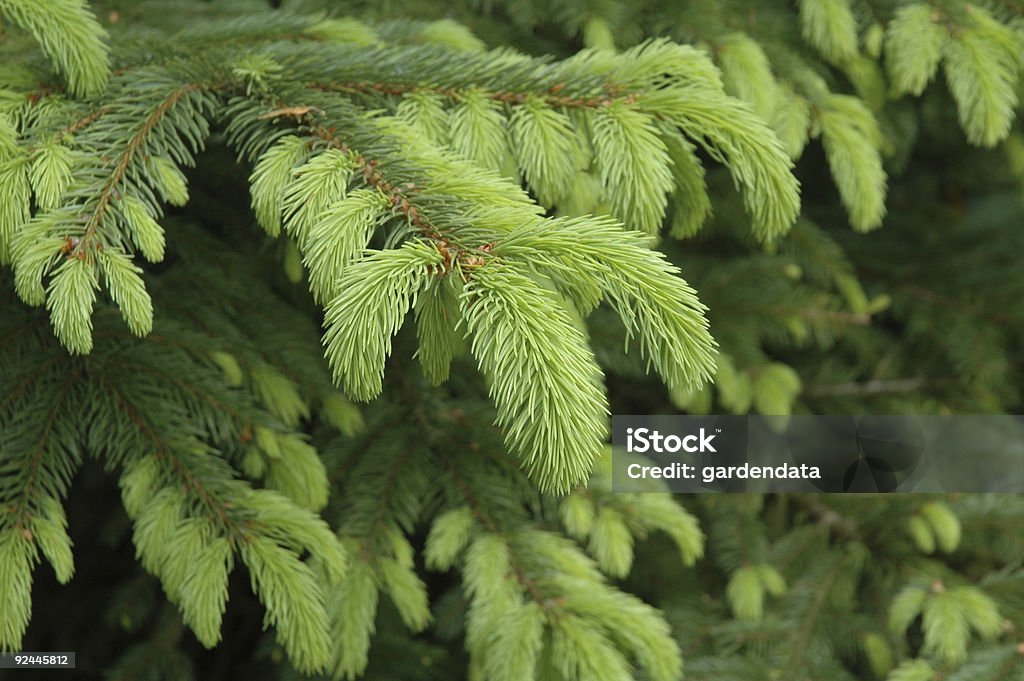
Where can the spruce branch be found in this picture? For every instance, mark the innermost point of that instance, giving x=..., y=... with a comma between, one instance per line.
x=450, y=254
x=70, y=35
x=804, y=635
x=519, y=329
x=399, y=159
x=46, y=470
x=479, y=512
x=131, y=149
x=652, y=302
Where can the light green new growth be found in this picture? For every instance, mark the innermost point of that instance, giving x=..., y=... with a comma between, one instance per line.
x=426, y=112
x=437, y=317
x=374, y=296
x=478, y=131
x=912, y=670
x=270, y=177
x=747, y=74
x=17, y=558
x=279, y=394
x=611, y=543
x=146, y=233
x=50, y=531
x=982, y=65
x=317, y=184
x=449, y=535
x=70, y=299
x=851, y=138
x=913, y=47
x=68, y=32
x=748, y=588
x=50, y=174
x=546, y=147
x=15, y=192
x=127, y=290
x=775, y=389
x=656, y=306
x=294, y=600
x=949, y=617
x=169, y=181
x=341, y=233
x=981, y=60
x=731, y=133
x=792, y=120
x=204, y=594
x=354, y=607
x=634, y=166
x=449, y=34
x=533, y=355
x=943, y=524
x=830, y=26
x=691, y=205
x=298, y=473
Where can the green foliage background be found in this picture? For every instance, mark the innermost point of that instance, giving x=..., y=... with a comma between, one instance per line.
x=312, y=315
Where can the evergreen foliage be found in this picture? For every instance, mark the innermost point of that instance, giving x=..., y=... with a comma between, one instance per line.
x=559, y=210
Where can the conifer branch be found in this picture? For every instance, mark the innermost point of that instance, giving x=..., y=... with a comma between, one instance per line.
x=31, y=474
x=398, y=195
x=131, y=149
x=485, y=519
x=197, y=392
x=551, y=98
x=69, y=33
x=217, y=509
x=382, y=501
x=510, y=205
x=806, y=630
x=85, y=121
x=30, y=380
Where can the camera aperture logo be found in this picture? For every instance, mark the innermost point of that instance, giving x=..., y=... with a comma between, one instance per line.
x=700, y=442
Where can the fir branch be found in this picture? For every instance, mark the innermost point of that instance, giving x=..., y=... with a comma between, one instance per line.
x=85, y=121
x=518, y=326
x=982, y=64
x=382, y=502
x=199, y=393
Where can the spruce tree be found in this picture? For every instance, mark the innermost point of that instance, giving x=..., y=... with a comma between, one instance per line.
x=312, y=316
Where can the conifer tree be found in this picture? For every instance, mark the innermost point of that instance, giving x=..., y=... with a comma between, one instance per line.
x=312, y=314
